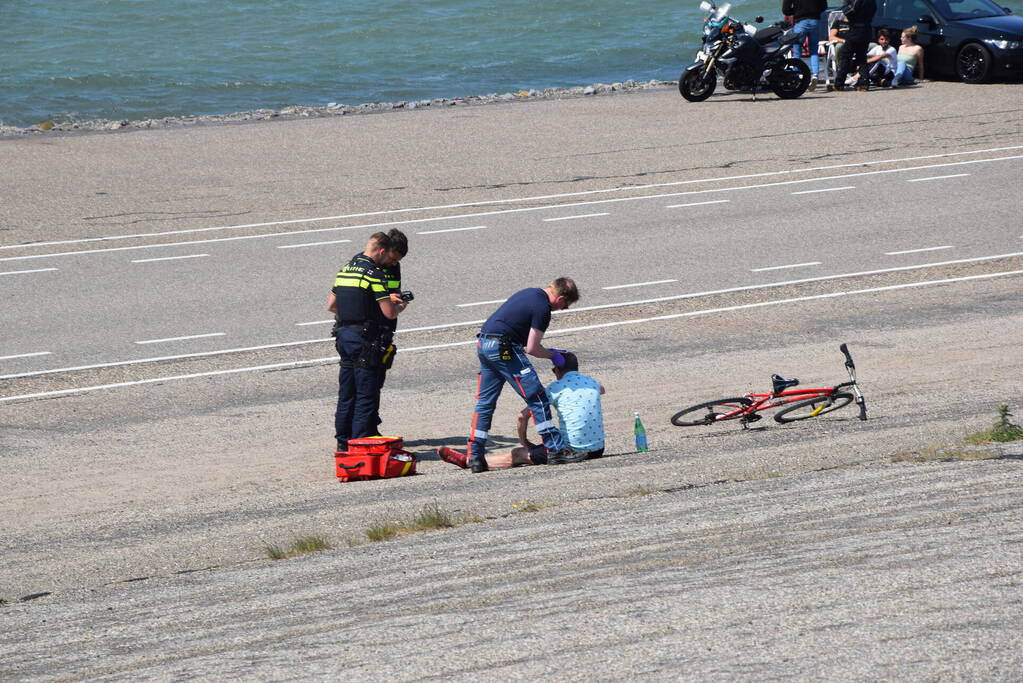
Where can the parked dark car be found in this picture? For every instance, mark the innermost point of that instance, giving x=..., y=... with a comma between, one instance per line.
x=975, y=40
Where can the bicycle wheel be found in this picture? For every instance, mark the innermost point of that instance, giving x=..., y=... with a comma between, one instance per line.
x=710, y=412
x=812, y=407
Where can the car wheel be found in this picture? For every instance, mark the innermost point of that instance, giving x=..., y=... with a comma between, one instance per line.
x=973, y=63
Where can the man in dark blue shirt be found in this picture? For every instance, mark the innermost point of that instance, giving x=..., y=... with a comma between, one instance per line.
x=514, y=330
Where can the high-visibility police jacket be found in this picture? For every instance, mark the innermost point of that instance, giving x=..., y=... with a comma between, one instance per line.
x=358, y=289
x=392, y=282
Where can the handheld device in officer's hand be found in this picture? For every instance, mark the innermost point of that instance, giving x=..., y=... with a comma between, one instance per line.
x=406, y=296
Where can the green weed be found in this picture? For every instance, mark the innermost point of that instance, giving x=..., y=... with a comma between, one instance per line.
x=526, y=506
x=1002, y=431
x=637, y=491
x=302, y=545
x=429, y=518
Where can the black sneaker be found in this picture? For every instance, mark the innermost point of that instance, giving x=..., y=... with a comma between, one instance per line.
x=341, y=446
x=478, y=465
x=565, y=456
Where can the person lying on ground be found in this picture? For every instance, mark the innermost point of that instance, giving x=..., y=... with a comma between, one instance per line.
x=580, y=412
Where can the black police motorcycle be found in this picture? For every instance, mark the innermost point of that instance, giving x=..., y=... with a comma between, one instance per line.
x=747, y=59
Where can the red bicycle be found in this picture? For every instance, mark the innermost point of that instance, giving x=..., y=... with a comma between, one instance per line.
x=796, y=404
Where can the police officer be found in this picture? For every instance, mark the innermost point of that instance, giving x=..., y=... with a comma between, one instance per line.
x=361, y=306
x=391, y=268
x=514, y=330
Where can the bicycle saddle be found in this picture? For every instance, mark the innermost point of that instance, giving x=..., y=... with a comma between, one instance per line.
x=781, y=384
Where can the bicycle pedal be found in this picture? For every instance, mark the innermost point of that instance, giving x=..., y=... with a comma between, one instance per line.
x=753, y=418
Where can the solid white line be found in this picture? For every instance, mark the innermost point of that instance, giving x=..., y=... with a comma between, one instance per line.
x=508, y=211
x=480, y=303
x=572, y=218
x=937, y=177
x=27, y=355
x=917, y=251
x=793, y=265
x=574, y=309
x=635, y=321
x=640, y=284
x=168, y=258
x=827, y=189
x=715, y=201
x=434, y=232
x=23, y=272
x=191, y=336
x=311, y=244
x=677, y=183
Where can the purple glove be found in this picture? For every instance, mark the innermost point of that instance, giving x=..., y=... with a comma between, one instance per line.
x=557, y=359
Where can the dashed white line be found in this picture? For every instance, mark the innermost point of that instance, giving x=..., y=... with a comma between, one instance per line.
x=480, y=303
x=27, y=355
x=937, y=177
x=827, y=189
x=679, y=206
x=191, y=336
x=168, y=258
x=574, y=309
x=311, y=244
x=917, y=251
x=634, y=321
x=572, y=218
x=434, y=232
x=639, y=284
x=791, y=265
x=25, y=272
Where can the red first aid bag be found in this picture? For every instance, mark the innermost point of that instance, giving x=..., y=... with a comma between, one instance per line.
x=374, y=457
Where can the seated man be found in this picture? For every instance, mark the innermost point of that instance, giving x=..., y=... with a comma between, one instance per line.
x=577, y=400
x=882, y=60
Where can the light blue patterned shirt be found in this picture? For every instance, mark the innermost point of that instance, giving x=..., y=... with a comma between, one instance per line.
x=577, y=398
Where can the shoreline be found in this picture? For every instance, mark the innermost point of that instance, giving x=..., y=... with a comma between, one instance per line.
x=331, y=109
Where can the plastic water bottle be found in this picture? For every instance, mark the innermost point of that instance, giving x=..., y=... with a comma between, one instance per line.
x=640, y=431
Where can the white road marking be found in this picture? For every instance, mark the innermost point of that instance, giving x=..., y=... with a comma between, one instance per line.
x=168, y=258
x=639, y=284
x=191, y=336
x=25, y=272
x=480, y=303
x=792, y=265
x=27, y=355
x=677, y=183
x=377, y=226
x=582, y=328
x=730, y=290
x=311, y=244
x=434, y=232
x=715, y=201
x=572, y=218
x=937, y=177
x=917, y=251
x=827, y=189
x=574, y=309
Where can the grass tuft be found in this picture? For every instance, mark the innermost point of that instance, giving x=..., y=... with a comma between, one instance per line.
x=4, y=601
x=302, y=545
x=526, y=506
x=1002, y=431
x=431, y=517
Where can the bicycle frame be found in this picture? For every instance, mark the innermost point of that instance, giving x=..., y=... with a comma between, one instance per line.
x=748, y=407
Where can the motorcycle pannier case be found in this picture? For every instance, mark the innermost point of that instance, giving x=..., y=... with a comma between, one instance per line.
x=374, y=457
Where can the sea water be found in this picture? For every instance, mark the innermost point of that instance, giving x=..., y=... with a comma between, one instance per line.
x=140, y=59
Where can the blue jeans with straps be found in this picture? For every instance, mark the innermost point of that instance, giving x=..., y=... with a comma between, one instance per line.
x=520, y=374
x=809, y=30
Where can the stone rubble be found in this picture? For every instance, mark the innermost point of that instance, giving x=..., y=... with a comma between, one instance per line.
x=331, y=109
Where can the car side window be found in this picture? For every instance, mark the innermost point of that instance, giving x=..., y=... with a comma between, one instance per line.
x=906, y=10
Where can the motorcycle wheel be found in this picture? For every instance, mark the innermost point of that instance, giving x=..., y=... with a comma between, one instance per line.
x=696, y=87
x=791, y=79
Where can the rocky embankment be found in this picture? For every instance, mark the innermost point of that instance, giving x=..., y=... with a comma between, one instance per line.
x=329, y=110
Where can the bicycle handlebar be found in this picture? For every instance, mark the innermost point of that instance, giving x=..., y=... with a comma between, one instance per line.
x=851, y=367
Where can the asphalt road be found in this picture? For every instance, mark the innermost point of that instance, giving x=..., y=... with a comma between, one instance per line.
x=140, y=496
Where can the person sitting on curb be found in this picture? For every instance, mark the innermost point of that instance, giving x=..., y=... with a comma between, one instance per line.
x=577, y=399
x=882, y=60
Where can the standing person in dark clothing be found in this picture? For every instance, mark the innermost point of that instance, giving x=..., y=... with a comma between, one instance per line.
x=859, y=14
x=361, y=306
x=806, y=14
x=514, y=330
x=391, y=269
